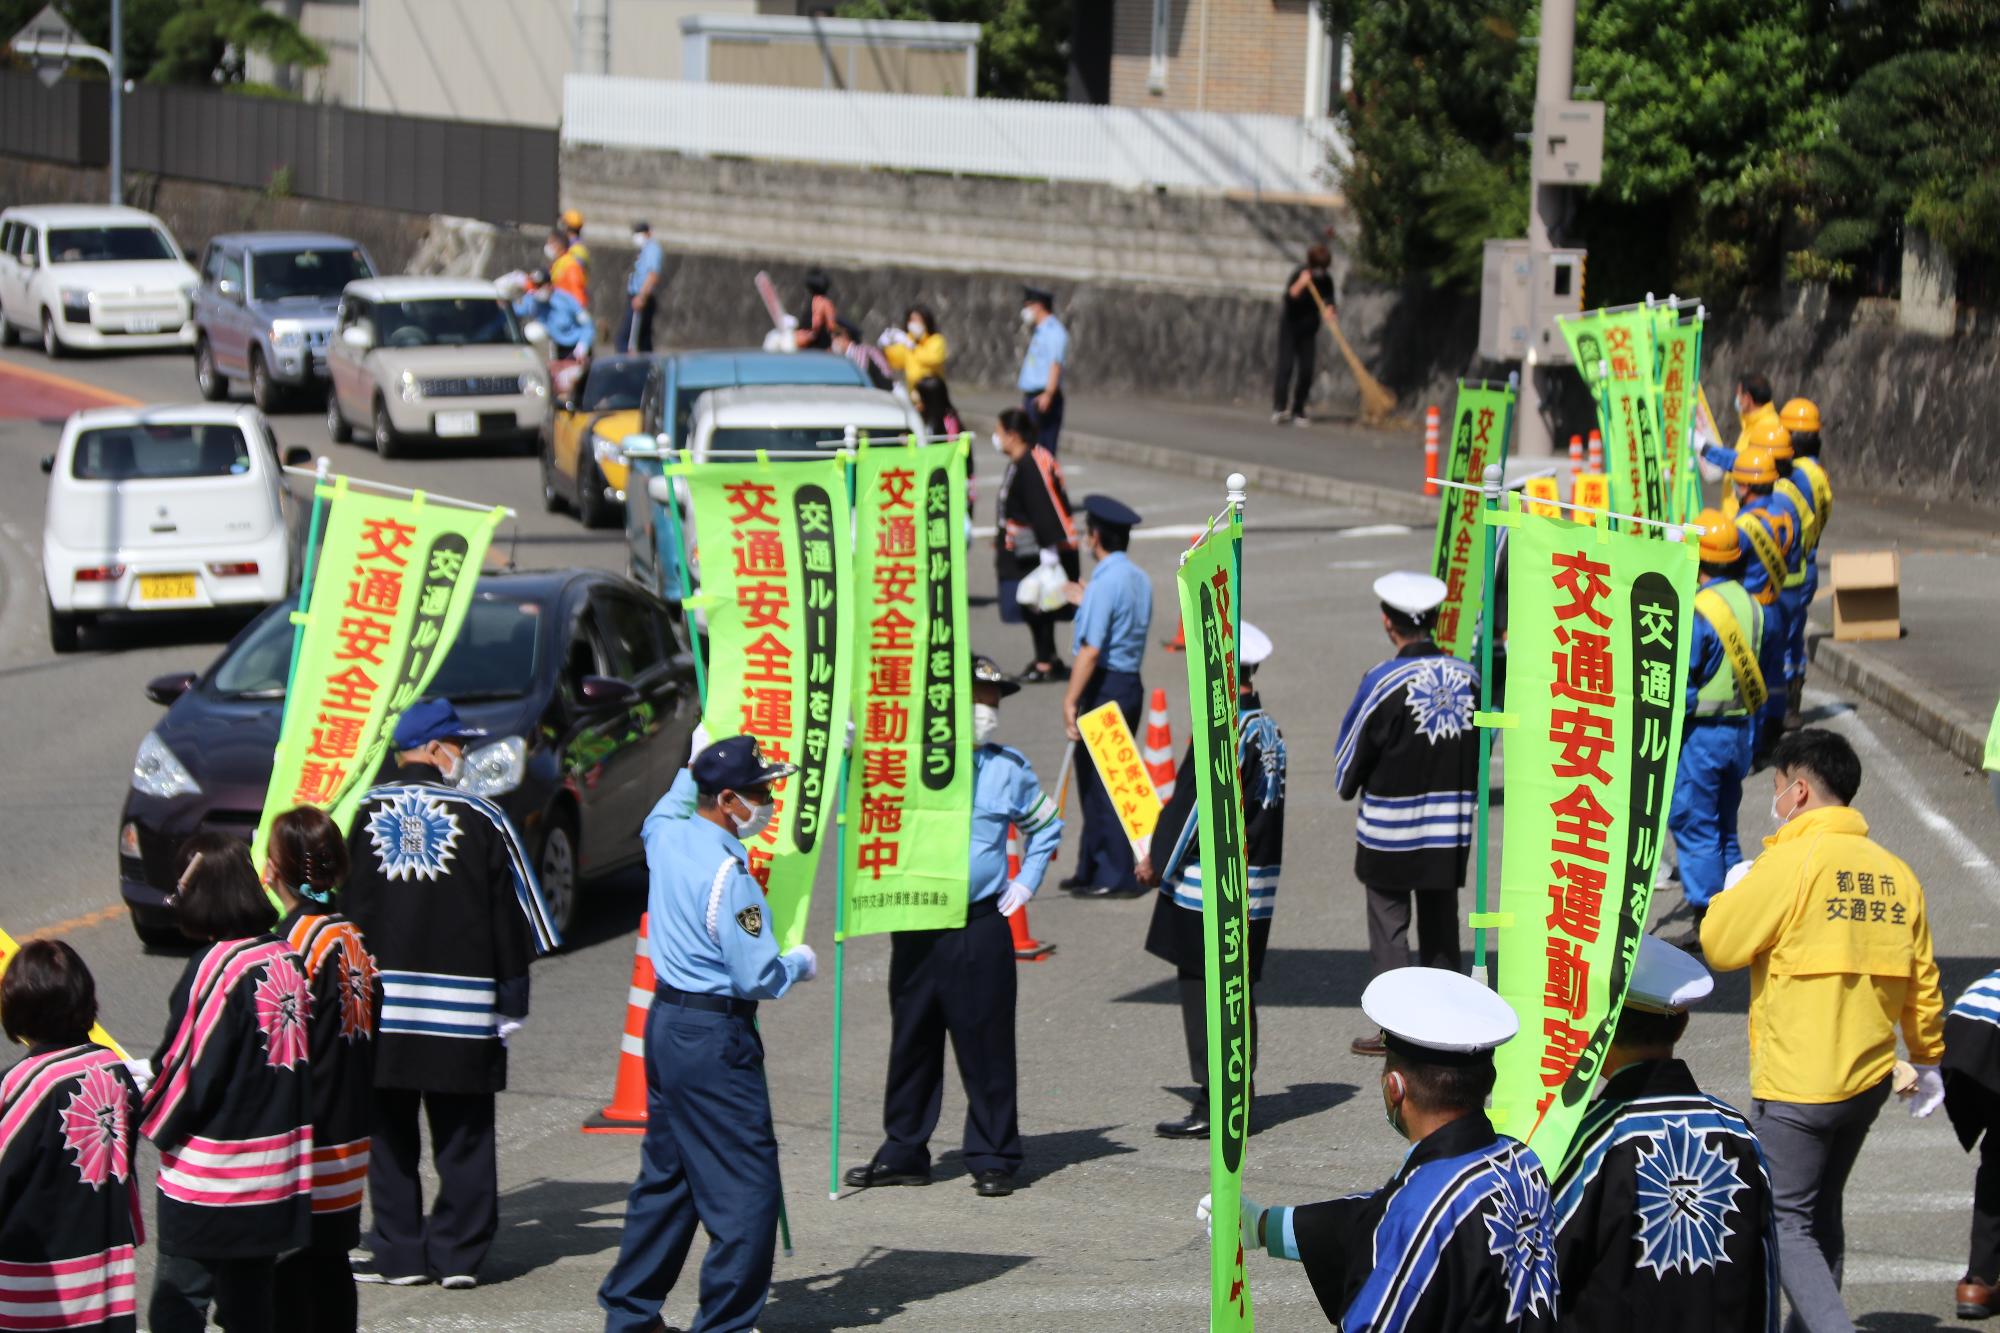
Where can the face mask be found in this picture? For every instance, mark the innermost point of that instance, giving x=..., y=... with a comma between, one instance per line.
x=916, y=328
x=552, y=250
x=1027, y=315
x=639, y=239
x=985, y=722
x=1778, y=818
x=994, y=440
x=457, y=766
x=760, y=817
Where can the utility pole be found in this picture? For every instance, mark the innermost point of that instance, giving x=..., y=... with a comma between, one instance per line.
x=1555, y=66
x=117, y=101
x=50, y=44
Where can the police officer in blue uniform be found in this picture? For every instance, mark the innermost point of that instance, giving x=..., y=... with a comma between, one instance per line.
x=710, y=1155
x=961, y=981
x=1109, y=645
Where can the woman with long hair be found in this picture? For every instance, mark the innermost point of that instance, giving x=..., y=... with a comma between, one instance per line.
x=1033, y=529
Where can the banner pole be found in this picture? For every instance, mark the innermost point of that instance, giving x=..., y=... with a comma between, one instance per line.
x=306, y=561
x=839, y=938
x=673, y=508
x=1490, y=602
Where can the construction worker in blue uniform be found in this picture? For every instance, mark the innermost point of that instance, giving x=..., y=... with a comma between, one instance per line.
x=1807, y=474
x=710, y=1155
x=961, y=981
x=1112, y=622
x=1726, y=686
x=1770, y=526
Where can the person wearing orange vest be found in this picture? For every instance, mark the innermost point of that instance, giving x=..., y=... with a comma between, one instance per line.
x=1035, y=530
x=569, y=261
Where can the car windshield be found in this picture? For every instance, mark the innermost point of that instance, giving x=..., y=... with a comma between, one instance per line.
x=793, y=439
x=292, y=275
x=614, y=386
x=103, y=245
x=159, y=452
x=498, y=648
x=446, y=321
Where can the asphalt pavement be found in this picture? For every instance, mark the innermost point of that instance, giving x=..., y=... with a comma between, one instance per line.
x=1102, y=1236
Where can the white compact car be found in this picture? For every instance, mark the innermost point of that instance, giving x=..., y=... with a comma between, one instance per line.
x=158, y=510
x=93, y=277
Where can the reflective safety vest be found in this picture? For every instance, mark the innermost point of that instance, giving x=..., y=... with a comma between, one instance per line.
x=1808, y=528
x=1766, y=549
x=1740, y=690
x=1822, y=497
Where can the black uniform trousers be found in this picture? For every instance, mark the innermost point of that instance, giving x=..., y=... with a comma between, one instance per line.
x=1298, y=359
x=1984, y=1262
x=1104, y=853
x=1389, y=928
x=466, y=1213
x=315, y=1286
x=240, y=1289
x=959, y=983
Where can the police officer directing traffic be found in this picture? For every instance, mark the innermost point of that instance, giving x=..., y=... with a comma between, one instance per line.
x=710, y=1155
x=961, y=981
x=1111, y=627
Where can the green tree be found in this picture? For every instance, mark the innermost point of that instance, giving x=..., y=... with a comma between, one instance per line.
x=182, y=41
x=1023, y=44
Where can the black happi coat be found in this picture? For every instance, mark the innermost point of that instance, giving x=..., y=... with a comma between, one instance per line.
x=231, y=1104
x=69, y=1198
x=442, y=891
x=346, y=1005
x=1034, y=515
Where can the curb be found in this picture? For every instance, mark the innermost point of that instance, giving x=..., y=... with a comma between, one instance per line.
x=1930, y=714
x=1398, y=505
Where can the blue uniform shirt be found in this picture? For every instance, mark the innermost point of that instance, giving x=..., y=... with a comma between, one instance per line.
x=1005, y=791
x=1116, y=614
x=1048, y=347
x=1782, y=513
x=703, y=904
x=568, y=323
x=1705, y=655
x=648, y=262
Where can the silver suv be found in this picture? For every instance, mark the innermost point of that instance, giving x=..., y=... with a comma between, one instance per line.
x=264, y=311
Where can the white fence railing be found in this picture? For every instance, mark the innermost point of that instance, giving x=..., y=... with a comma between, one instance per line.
x=1119, y=146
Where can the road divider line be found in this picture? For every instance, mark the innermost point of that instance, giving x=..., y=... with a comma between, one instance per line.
x=1376, y=530
x=76, y=923
x=104, y=397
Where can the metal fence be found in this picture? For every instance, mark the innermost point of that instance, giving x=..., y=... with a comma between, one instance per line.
x=1121, y=146
x=69, y=123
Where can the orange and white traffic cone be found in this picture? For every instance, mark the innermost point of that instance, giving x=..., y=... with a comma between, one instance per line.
x=627, y=1112
x=1596, y=452
x=1430, y=451
x=1575, y=457
x=1177, y=644
x=1158, y=751
x=1027, y=949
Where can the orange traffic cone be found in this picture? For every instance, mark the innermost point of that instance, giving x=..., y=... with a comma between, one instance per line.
x=1159, y=747
x=1177, y=644
x=1027, y=949
x=627, y=1112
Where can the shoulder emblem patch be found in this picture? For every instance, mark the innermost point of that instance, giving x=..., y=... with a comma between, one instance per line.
x=752, y=921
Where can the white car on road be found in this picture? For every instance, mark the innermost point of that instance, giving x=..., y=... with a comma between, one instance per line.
x=90, y=277
x=158, y=510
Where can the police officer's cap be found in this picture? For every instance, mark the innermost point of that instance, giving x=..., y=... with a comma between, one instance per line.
x=1414, y=595
x=1666, y=980
x=1041, y=296
x=735, y=765
x=987, y=672
x=430, y=720
x=1437, y=1017
x=1110, y=513
x=1252, y=645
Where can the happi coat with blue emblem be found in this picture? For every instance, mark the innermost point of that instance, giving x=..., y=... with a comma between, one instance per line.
x=1408, y=749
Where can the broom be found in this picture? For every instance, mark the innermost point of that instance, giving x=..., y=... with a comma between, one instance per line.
x=1376, y=401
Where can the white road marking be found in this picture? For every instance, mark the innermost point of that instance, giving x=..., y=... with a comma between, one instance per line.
x=1376, y=530
x=1169, y=532
x=14, y=532
x=1356, y=564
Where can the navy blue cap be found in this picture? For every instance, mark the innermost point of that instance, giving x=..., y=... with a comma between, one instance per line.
x=1041, y=295
x=1107, y=510
x=430, y=720
x=735, y=765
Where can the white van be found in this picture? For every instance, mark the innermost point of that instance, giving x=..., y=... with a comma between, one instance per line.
x=93, y=277
x=163, y=510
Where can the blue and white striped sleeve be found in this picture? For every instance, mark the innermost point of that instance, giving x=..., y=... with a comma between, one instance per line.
x=1040, y=826
x=1280, y=1240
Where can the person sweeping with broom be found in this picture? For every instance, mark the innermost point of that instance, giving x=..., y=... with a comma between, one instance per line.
x=1308, y=303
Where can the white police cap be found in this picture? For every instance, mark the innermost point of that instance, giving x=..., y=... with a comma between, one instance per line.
x=1439, y=1012
x=1666, y=980
x=1252, y=644
x=1415, y=595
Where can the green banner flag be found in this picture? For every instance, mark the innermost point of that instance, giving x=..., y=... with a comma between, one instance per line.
x=1208, y=583
x=1678, y=361
x=1596, y=678
x=1585, y=335
x=909, y=779
x=774, y=541
x=1480, y=426
x=1614, y=351
x=393, y=580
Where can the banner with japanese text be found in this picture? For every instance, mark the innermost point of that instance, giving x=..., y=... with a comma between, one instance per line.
x=1597, y=666
x=1617, y=348
x=391, y=585
x=1122, y=769
x=1208, y=584
x=1479, y=429
x=1678, y=357
x=909, y=779
x=774, y=539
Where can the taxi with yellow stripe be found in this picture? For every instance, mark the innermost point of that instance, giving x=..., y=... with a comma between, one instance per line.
x=583, y=468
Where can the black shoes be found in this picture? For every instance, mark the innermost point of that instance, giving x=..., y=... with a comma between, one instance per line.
x=1035, y=674
x=1372, y=1044
x=875, y=1175
x=1074, y=882
x=994, y=1184
x=1194, y=1125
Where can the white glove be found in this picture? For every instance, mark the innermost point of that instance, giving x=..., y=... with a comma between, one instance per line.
x=808, y=961
x=1249, y=1220
x=1050, y=558
x=1735, y=874
x=1014, y=897
x=1204, y=1213
x=141, y=1072
x=698, y=742
x=1929, y=1093
x=1710, y=472
x=509, y=1026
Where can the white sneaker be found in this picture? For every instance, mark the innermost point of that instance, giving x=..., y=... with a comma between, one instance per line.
x=1302, y=420
x=1280, y=418
x=459, y=1282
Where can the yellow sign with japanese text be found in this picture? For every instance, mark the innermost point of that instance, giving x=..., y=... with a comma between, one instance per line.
x=1123, y=770
x=1591, y=492
x=1543, y=493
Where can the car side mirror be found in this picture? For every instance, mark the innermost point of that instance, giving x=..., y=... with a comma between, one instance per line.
x=565, y=404
x=48, y=464
x=298, y=456
x=163, y=690
x=357, y=337
x=607, y=692
x=229, y=291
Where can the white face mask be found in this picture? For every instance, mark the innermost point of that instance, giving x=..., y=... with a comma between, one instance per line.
x=916, y=328
x=1027, y=314
x=985, y=722
x=1777, y=817
x=639, y=239
x=552, y=250
x=457, y=766
x=994, y=439
x=760, y=818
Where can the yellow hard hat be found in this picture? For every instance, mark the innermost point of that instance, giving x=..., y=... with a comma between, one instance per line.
x=572, y=220
x=1721, y=543
x=1756, y=465
x=1775, y=438
x=1801, y=414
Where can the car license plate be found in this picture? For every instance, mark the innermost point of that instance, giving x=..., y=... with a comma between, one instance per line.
x=453, y=425
x=166, y=587
x=142, y=324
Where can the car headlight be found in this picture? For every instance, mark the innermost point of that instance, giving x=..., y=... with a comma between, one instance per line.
x=495, y=768
x=287, y=335
x=411, y=390
x=532, y=384
x=157, y=771
x=76, y=296
x=607, y=451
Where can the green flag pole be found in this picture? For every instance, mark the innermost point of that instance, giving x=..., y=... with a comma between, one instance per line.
x=322, y=468
x=839, y=924
x=1488, y=613
x=672, y=505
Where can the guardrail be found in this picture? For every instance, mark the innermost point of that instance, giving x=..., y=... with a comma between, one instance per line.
x=1121, y=146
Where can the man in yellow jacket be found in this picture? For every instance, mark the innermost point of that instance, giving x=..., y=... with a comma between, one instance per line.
x=1834, y=932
